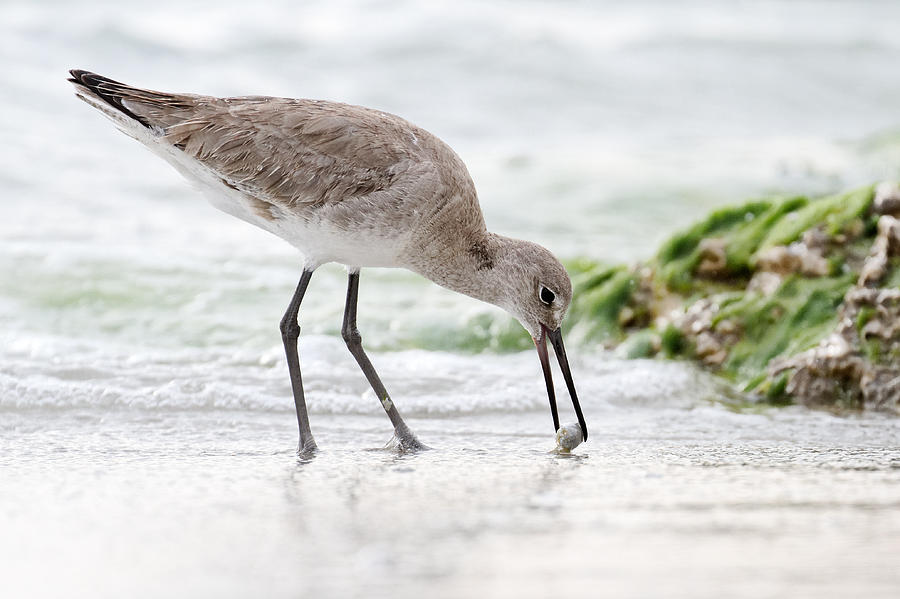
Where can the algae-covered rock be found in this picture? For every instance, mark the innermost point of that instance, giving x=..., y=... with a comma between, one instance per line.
x=858, y=364
x=794, y=299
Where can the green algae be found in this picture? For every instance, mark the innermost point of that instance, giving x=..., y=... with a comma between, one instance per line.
x=679, y=256
x=833, y=213
x=642, y=344
x=737, y=330
x=599, y=300
x=673, y=342
x=483, y=332
x=865, y=315
x=893, y=277
x=793, y=319
x=747, y=239
x=775, y=390
x=747, y=229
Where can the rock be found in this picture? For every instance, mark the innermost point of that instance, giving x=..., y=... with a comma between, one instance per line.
x=886, y=246
x=815, y=239
x=795, y=258
x=858, y=365
x=709, y=349
x=713, y=261
x=765, y=282
x=793, y=299
x=887, y=199
x=710, y=340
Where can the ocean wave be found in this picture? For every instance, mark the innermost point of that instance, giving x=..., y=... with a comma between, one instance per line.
x=57, y=373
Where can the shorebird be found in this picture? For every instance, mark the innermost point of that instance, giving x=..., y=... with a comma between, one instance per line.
x=352, y=185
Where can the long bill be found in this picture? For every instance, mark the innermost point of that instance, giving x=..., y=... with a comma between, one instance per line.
x=559, y=349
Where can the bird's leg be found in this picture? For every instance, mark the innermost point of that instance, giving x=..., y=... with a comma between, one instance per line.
x=290, y=331
x=350, y=333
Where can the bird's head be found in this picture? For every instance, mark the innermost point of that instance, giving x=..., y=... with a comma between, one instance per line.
x=536, y=289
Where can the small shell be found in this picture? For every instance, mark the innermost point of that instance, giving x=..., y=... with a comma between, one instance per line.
x=568, y=437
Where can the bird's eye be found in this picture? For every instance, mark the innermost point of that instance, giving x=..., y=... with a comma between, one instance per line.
x=547, y=296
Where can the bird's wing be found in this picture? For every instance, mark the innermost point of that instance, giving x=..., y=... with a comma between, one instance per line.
x=282, y=150
x=293, y=151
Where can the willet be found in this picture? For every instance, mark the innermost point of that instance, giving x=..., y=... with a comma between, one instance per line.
x=351, y=185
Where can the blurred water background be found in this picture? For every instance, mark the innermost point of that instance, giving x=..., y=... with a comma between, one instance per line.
x=145, y=410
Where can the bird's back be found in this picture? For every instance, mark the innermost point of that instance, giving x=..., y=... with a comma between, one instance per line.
x=319, y=174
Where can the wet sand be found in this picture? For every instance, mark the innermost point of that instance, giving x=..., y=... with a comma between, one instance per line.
x=698, y=502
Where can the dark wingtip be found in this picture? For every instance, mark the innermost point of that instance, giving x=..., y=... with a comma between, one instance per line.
x=93, y=80
x=80, y=75
x=108, y=90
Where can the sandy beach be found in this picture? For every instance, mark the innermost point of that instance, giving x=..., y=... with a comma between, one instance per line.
x=698, y=502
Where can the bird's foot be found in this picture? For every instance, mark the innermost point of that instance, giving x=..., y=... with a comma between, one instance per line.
x=307, y=448
x=404, y=441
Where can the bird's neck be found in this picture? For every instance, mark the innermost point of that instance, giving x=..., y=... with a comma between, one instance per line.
x=472, y=265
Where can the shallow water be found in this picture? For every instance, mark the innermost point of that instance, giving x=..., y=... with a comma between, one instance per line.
x=146, y=425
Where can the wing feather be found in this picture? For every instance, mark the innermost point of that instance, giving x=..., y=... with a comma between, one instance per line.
x=294, y=152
